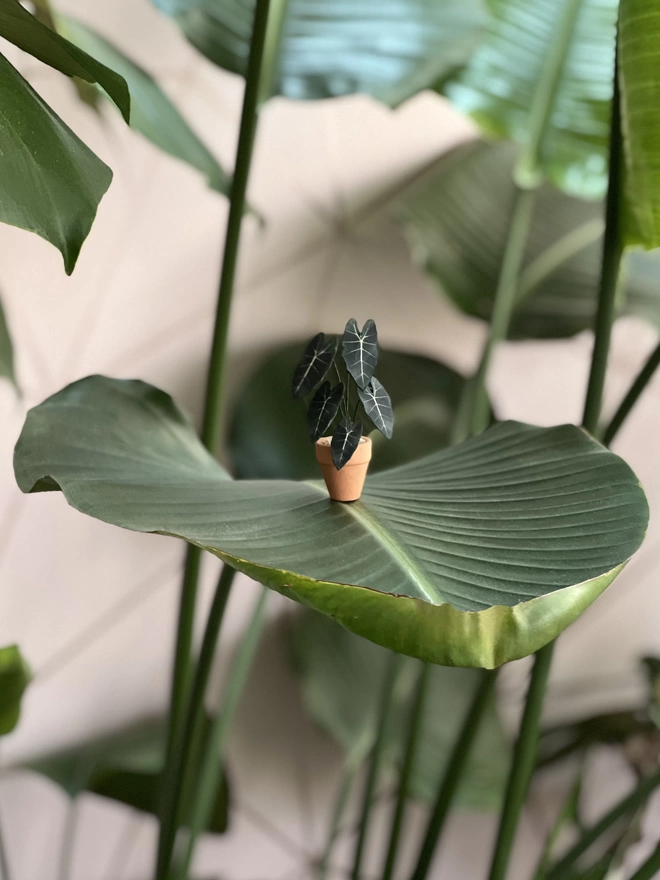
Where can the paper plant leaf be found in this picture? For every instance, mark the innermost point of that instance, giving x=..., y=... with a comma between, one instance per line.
x=360, y=351
x=314, y=365
x=25, y=31
x=472, y=556
x=323, y=50
x=14, y=678
x=345, y=441
x=323, y=409
x=378, y=406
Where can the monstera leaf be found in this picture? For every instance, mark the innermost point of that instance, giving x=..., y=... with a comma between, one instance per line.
x=513, y=69
x=14, y=678
x=321, y=50
x=456, y=219
x=472, y=556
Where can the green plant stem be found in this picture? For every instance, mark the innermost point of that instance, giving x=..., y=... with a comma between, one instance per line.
x=386, y=703
x=183, y=759
x=567, y=811
x=455, y=768
x=628, y=402
x=412, y=739
x=212, y=763
x=351, y=767
x=563, y=869
x=650, y=866
x=524, y=759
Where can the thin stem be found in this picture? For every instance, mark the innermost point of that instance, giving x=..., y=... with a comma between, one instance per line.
x=351, y=767
x=567, y=811
x=180, y=767
x=524, y=759
x=414, y=728
x=211, y=769
x=386, y=702
x=563, y=869
x=628, y=402
x=650, y=866
x=454, y=772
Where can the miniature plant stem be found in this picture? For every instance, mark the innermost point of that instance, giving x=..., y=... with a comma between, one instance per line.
x=214, y=400
x=412, y=740
x=628, y=402
x=565, y=814
x=351, y=768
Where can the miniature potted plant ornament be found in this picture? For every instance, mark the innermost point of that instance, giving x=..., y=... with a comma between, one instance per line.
x=343, y=452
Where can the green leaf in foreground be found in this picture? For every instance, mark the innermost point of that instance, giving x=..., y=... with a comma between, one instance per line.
x=152, y=112
x=24, y=30
x=472, y=556
x=14, y=678
x=322, y=50
x=51, y=182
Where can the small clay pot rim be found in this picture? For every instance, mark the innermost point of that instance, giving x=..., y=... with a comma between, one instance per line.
x=361, y=455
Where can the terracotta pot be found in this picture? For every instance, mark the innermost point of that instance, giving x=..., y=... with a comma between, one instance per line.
x=346, y=484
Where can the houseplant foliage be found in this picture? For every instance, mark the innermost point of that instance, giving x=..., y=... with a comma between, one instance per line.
x=14, y=678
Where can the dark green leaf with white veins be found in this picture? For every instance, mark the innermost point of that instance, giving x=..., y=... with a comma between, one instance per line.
x=511, y=72
x=378, y=406
x=314, y=365
x=472, y=556
x=51, y=182
x=360, y=351
x=321, y=50
x=152, y=112
x=14, y=678
x=323, y=409
x=345, y=441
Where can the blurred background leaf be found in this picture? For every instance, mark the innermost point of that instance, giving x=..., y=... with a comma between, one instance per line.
x=14, y=678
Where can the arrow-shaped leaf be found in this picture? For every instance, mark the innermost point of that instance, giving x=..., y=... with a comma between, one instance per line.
x=314, y=364
x=345, y=441
x=323, y=409
x=360, y=351
x=378, y=406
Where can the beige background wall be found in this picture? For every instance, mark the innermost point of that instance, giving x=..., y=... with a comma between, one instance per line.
x=140, y=305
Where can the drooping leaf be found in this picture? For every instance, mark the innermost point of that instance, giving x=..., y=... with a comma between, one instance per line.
x=520, y=527
x=323, y=409
x=124, y=767
x=341, y=675
x=360, y=351
x=25, y=31
x=152, y=112
x=51, y=182
x=378, y=406
x=345, y=441
x=500, y=83
x=639, y=82
x=6, y=350
x=14, y=678
x=388, y=50
x=314, y=364
x=425, y=396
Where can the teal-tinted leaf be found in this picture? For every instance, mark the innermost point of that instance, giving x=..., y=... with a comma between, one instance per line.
x=473, y=556
x=317, y=359
x=25, y=31
x=499, y=85
x=360, y=351
x=6, y=350
x=152, y=112
x=389, y=50
x=323, y=409
x=345, y=441
x=51, y=182
x=425, y=396
x=378, y=406
x=639, y=80
x=14, y=678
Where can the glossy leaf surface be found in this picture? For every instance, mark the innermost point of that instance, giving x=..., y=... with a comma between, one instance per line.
x=323, y=409
x=378, y=406
x=14, y=678
x=317, y=359
x=425, y=396
x=389, y=50
x=25, y=31
x=152, y=112
x=522, y=527
x=51, y=182
x=503, y=77
x=345, y=441
x=360, y=351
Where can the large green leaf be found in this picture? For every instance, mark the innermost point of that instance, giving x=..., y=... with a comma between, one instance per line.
x=24, y=30
x=456, y=219
x=472, y=556
x=125, y=767
x=341, y=677
x=14, y=678
x=51, y=182
x=152, y=112
x=639, y=80
x=319, y=49
x=503, y=77
x=6, y=350
x=425, y=395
